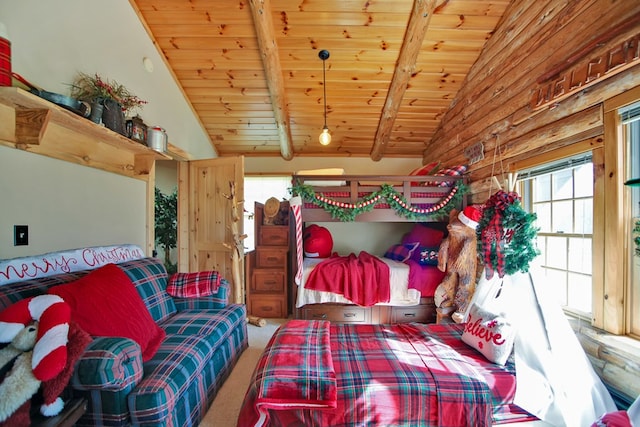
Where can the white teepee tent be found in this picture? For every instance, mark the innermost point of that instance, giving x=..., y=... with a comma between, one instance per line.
x=555, y=379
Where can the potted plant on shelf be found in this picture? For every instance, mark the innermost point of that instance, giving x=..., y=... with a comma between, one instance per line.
x=109, y=100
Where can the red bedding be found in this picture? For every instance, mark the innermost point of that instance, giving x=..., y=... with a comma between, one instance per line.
x=405, y=374
x=363, y=279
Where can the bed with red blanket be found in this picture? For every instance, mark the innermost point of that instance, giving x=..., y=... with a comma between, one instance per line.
x=329, y=288
x=314, y=373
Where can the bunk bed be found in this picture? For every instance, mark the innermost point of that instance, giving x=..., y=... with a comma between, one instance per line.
x=424, y=200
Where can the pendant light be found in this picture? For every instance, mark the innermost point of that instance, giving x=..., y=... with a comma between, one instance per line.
x=325, y=136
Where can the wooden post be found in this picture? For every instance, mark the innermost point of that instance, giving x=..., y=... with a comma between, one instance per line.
x=237, y=248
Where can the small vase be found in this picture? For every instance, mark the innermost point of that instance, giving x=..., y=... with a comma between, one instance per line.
x=97, y=107
x=113, y=116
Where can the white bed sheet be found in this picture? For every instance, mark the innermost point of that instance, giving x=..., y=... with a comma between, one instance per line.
x=401, y=295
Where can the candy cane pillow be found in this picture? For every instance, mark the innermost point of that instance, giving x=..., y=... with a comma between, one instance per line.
x=489, y=333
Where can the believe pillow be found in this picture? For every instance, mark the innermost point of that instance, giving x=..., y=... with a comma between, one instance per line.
x=489, y=333
x=105, y=303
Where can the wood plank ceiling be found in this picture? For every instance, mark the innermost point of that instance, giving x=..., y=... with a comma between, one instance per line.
x=251, y=71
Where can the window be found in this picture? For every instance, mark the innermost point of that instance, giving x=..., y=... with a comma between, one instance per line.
x=630, y=119
x=561, y=195
x=259, y=189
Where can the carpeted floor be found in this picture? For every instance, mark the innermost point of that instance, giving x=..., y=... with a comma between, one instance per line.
x=226, y=406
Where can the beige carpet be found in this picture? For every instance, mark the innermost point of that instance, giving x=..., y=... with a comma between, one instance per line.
x=226, y=406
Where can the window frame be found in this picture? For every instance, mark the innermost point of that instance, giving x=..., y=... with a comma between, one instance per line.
x=611, y=264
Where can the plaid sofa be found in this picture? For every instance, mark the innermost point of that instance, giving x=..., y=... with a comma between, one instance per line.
x=204, y=339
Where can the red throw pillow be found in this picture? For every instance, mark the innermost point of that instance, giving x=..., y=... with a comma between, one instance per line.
x=428, y=169
x=105, y=303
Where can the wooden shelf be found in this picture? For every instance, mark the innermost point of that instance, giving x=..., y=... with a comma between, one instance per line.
x=33, y=124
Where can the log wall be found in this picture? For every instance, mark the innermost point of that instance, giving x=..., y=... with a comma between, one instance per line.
x=536, y=40
x=537, y=43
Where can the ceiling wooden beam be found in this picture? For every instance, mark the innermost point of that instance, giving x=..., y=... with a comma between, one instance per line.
x=261, y=12
x=405, y=67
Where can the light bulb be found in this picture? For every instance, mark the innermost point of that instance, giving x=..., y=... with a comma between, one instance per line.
x=325, y=136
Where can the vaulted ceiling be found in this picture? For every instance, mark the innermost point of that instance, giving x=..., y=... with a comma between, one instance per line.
x=251, y=72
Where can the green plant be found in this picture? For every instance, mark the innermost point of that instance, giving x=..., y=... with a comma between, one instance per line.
x=636, y=236
x=92, y=87
x=166, y=225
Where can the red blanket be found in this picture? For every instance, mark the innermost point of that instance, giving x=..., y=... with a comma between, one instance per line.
x=364, y=279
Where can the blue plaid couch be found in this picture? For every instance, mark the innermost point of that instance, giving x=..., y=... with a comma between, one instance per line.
x=205, y=338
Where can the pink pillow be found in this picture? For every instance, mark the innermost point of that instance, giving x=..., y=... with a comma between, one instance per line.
x=489, y=333
x=105, y=303
x=425, y=235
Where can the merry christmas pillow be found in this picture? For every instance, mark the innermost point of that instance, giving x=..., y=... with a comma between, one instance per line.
x=489, y=333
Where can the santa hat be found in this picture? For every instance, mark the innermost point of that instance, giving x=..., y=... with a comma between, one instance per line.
x=53, y=316
x=470, y=216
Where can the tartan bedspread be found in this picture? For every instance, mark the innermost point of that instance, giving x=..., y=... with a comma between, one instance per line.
x=401, y=375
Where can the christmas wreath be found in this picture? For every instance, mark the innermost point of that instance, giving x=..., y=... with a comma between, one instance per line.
x=344, y=211
x=506, y=235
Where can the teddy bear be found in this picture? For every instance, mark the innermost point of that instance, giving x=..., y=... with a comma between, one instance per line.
x=457, y=257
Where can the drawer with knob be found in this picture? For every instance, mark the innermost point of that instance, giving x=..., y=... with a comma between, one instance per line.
x=271, y=257
x=341, y=314
x=266, y=280
x=267, y=306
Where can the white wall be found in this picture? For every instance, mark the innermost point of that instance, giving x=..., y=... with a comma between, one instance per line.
x=66, y=205
x=53, y=40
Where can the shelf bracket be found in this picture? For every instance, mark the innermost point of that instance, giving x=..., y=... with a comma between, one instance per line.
x=31, y=125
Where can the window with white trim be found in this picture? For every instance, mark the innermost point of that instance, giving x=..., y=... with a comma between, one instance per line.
x=560, y=193
x=630, y=119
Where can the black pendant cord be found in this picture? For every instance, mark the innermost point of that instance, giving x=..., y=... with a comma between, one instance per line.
x=324, y=92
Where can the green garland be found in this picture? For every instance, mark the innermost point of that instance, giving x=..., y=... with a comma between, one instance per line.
x=518, y=238
x=347, y=212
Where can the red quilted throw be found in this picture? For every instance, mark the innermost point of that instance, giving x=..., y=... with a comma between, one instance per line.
x=193, y=285
x=297, y=372
x=362, y=279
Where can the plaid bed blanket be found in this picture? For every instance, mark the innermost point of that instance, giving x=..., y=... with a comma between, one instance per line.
x=405, y=375
x=297, y=372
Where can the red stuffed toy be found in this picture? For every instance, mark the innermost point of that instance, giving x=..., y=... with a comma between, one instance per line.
x=318, y=242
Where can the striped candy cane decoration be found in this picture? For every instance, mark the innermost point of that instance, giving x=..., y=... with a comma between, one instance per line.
x=296, y=207
x=53, y=316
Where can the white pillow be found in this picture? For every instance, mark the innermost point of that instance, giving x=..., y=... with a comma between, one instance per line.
x=327, y=171
x=489, y=333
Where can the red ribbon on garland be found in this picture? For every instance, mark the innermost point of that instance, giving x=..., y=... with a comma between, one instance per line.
x=494, y=232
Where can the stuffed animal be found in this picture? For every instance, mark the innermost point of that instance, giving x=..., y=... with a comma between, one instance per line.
x=37, y=330
x=458, y=258
x=318, y=242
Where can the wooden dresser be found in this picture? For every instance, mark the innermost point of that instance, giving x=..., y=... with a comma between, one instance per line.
x=267, y=269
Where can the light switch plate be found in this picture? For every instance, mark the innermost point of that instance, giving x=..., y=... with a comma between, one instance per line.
x=20, y=235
